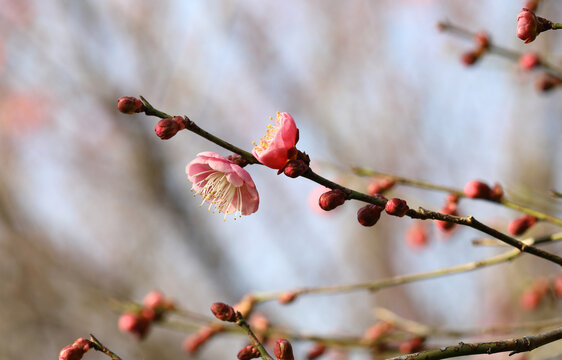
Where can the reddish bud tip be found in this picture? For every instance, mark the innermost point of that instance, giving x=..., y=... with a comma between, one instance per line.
x=497, y=193
x=248, y=352
x=482, y=40
x=75, y=351
x=558, y=286
x=416, y=236
x=547, y=82
x=376, y=331
x=287, y=297
x=477, y=189
x=369, y=215
x=245, y=306
x=331, y=199
x=528, y=61
x=396, y=207
x=530, y=299
x=521, y=224
x=166, y=128
x=449, y=209
x=295, y=168
x=136, y=324
x=223, y=312
x=283, y=350
x=130, y=105
x=380, y=185
x=527, y=25
x=470, y=58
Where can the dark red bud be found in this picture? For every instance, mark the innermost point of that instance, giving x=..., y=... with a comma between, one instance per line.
x=497, y=193
x=130, y=105
x=283, y=350
x=396, y=207
x=248, y=352
x=547, y=82
x=75, y=351
x=166, y=128
x=521, y=224
x=331, y=199
x=223, y=312
x=316, y=351
x=470, y=58
x=380, y=185
x=449, y=209
x=411, y=345
x=295, y=168
x=482, y=40
x=369, y=215
x=477, y=189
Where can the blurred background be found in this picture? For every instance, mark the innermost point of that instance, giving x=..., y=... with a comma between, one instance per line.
x=94, y=206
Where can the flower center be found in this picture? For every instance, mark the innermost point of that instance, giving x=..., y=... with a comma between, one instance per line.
x=271, y=130
x=219, y=193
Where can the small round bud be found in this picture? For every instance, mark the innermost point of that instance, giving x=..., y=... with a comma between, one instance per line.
x=452, y=199
x=547, y=82
x=283, y=350
x=449, y=209
x=75, y=351
x=287, y=297
x=368, y=215
x=376, y=331
x=167, y=128
x=527, y=25
x=482, y=40
x=396, y=207
x=136, y=324
x=317, y=350
x=530, y=300
x=248, y=352
x=416, y=236
x=497, y=193
x=223, y=312
x=521, y=224
x=411, y=345
x=245, y=306
x=470, y=58
x=153, y=300
x=331, y=199
x=477, y=190
x=528, y=61
x=130, y=105
x=295, y=168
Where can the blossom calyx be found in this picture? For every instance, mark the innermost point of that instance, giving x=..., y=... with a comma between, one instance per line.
x=396, y=207
x=529, y=25
x=295, y=168
x=283, y=350
x=167, y=128
x=129, y=105
x=332, y=199
x=278, y=145
x=223, y=312
x=368, y=215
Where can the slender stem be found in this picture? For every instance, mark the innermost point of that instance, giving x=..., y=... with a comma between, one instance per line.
x=100, y=347
x=556, y=26
x=515, y=345
x=405, y=279
x=244, y=326
x=351, y=194
x=427, y=185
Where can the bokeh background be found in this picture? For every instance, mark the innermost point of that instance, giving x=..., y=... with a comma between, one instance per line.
x=93, y=206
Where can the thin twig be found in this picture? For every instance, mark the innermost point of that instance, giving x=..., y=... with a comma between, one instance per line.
x=97, y=345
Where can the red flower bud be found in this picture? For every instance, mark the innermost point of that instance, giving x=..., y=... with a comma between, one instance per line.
x=380, y=185
x=528, y=61
x=530, y=299
x=376, y=331
x=411, y=345
x=521, y=224
x=529, y=25
x=245, y=306
x=75, y=351
x=369, y=215
x=283, y=350
x=295, y=168
x=470, y=58
x=416, y=236
x=558, y=286
x=497, y=193
x=547, y=82
x=449, y=209
x=166, y=128
x=287, y=297
x=136, y=324
x=332, y=199
x=315, y=351
x=248, y=352
x=130, y=105
x=477, y=189
x=396, y=207
x=223, y=312
x=482, y=40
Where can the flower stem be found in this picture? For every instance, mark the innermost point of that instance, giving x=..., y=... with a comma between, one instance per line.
x=97, y=345
x=556, y=26
x=244, y=326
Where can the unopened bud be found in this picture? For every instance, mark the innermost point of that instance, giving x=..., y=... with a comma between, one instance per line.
x=547, y=82
x=166, y=128
x=380, y=185
x=248, y=352
x=283, y=350
x=477, y=189
x=331, y=199
x=368, y=215
x=136, y=324
x=497, y=193
x=316, y=351
x=530, y=299
x=223, y=312
x=482, y=40
x=558, y=285
x=287, y=297
x=295, y=168
x=528, y=61
x=396, y=207
x=470, y=58
x=527, y=25
x=449, y=209
x=75, y=351
x=411, y=345
x=376, y=331
x=521, y=224
x=416, y=236
x=130, y=105
x=245, y=306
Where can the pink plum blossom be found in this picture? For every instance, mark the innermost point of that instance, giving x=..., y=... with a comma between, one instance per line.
x=278, y=145
x=223, y=184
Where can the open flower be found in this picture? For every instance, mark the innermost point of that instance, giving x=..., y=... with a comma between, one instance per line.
x=278, y=145
x=223, y=184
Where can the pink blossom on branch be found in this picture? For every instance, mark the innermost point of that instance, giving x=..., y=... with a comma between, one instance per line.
x=278, y=145
x=529, y=26
x=223, y=184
